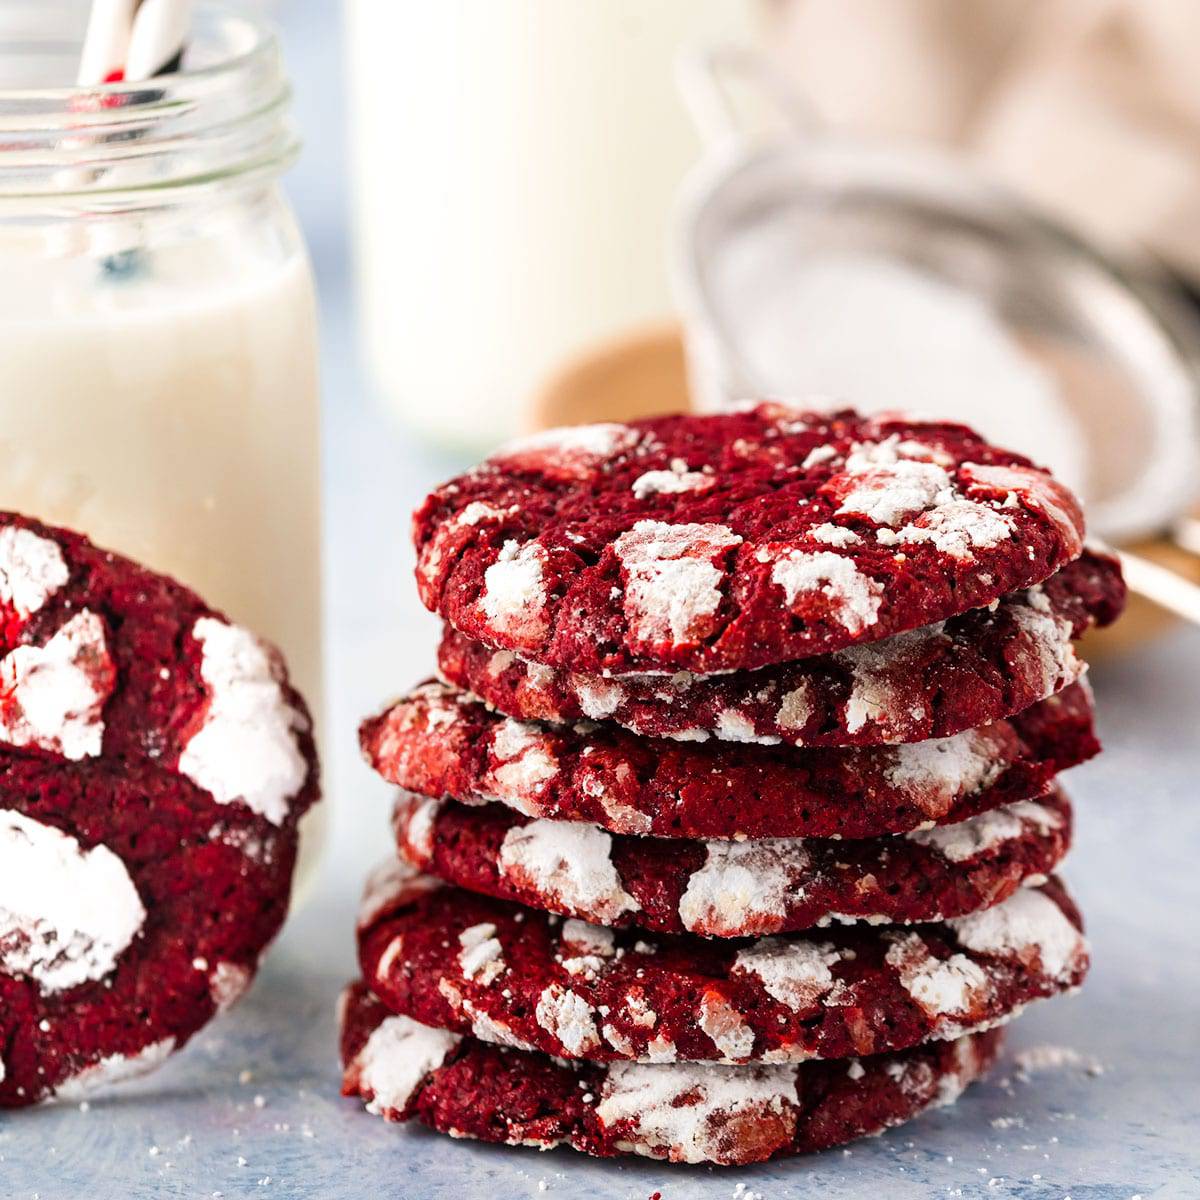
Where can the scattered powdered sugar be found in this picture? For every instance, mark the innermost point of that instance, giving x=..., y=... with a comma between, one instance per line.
x=853, y=598
x=942, y=987
x=1048, y=1057
x=795, y=972
x=818, y=455
x=697, y=1113
x=569, y=862
x=567, y=1016
x=873, y=699
x=674, y=579
x=585, y=938
x=744, y=887
x=938, y=771
x=956, y=527
x=1027, y=921
x=116, y=1068
x=526, y=760
x=795, y=708
x=54, y=695
x=979, y=834
x=396, y=1057
x=725, y=1026
x=246, y=749
x=477, y=512
x=514, y=593
x=32, y=569
x=66, y=914
x=481, y=957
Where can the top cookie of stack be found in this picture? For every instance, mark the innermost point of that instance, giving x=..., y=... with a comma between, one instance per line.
x=727, y=543
x=881, y=610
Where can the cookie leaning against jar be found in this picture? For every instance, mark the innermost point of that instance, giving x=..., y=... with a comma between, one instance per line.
x=154, y=764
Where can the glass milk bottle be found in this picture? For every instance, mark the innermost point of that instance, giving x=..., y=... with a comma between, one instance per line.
x=158, y=361
x=516, y=163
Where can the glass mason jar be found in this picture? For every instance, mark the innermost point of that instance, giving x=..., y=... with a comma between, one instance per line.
x=158, y=352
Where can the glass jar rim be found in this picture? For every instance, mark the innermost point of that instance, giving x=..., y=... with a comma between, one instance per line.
x=224, y=114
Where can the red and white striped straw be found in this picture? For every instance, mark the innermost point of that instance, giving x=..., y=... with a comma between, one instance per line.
x=106, y=43
x=133, y=40
x=159, y=32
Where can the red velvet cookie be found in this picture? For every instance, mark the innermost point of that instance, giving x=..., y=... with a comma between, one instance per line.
x=932, y=682
x=512, y=975
x=732, y=541
x=133, y=908
x=735, y=889
x=684, y=1112
x=443, y=743
x=154, y=763
x=100, y=657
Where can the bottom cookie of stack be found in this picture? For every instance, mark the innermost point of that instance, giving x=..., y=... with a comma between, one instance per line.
x=684, y=1112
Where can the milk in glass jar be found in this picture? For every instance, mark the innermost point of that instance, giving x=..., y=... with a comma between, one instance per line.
x=158, y=362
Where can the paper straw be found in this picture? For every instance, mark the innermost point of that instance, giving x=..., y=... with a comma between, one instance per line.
x=106, y=43
x=159, y=30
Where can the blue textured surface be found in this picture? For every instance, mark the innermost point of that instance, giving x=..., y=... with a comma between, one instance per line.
x=251, y=1109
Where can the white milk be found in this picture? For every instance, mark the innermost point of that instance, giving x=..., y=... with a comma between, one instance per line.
x=516, y=162
x=172, y=416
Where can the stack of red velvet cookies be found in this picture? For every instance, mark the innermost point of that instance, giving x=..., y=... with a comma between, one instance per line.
x=730, y=830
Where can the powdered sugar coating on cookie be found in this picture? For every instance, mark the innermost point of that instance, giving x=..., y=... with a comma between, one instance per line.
x=397, y=1056
x=66, y=913
x=570, y=862
x=246, y=748
x=53, y=695
x=32, y=569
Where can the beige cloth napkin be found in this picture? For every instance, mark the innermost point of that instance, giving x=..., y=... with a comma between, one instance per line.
x=1091, y=107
